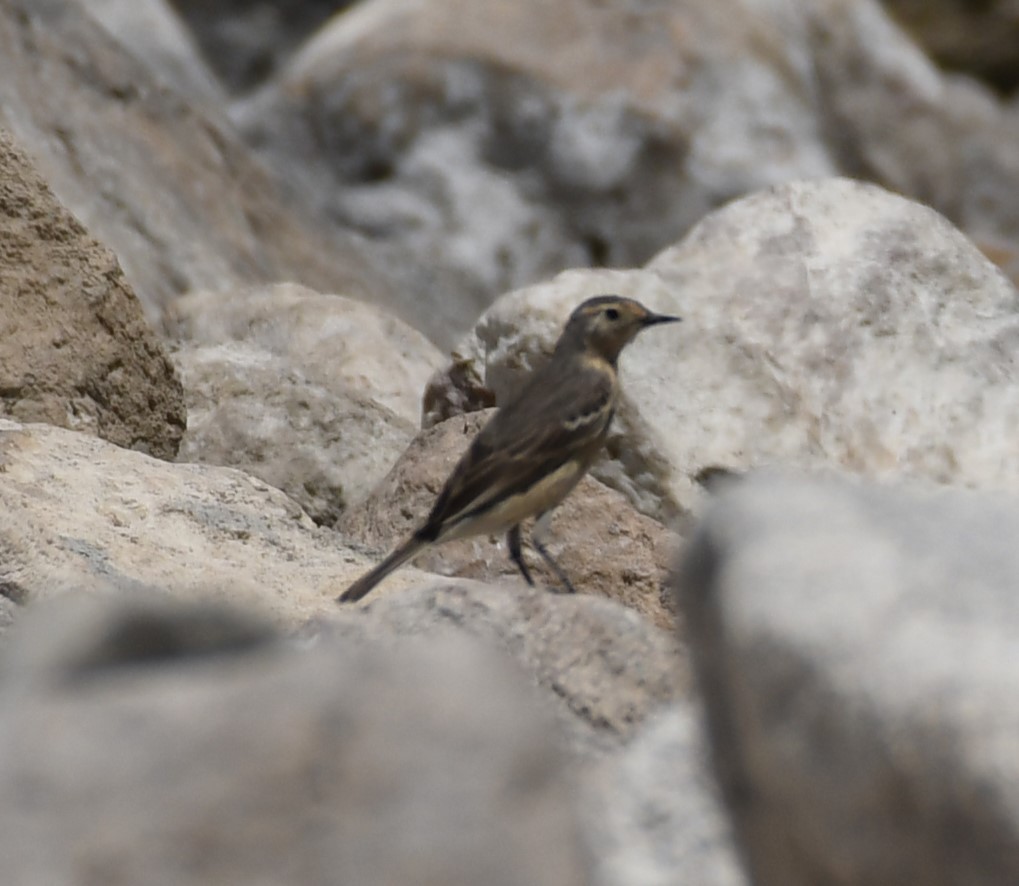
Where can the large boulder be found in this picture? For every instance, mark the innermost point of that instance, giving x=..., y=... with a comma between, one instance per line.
x=145, y=744
x=331, y=340
x=514, y=139
x=80, y=514
x=75, y=349
x=325, y=446
x=653, y=810
x=857, y=648
x=825, y=323
x=170, y=187
x=153, y=33
x=604, y=670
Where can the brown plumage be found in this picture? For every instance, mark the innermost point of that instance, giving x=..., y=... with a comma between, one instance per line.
x=536, y=448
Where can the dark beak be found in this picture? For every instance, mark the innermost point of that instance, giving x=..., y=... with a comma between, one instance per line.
x=655, y=319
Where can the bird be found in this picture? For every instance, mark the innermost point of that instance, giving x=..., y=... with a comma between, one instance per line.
x=535, y=449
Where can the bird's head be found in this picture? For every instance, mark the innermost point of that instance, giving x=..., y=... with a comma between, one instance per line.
x=605, y=324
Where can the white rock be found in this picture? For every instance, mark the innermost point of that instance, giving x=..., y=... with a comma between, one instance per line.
x=825, y=323
x=326, y=447
x=337, y=342
x=79, y=513
x=858, y=652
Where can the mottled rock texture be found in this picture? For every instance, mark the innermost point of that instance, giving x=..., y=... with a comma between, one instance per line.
x=75, y=349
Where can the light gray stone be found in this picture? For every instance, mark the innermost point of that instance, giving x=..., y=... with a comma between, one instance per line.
x=857, y=648
x=169, y=186
x=651, y=812
x=326, y=447
x=603, y=668
x=77, y=513
x=826, y=323
x=205, y=753
x=515, y=139
x=333, y=341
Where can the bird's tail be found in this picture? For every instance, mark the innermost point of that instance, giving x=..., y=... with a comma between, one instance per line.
x=394, y=561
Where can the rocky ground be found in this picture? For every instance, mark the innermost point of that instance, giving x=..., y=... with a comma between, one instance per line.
x=264, y=270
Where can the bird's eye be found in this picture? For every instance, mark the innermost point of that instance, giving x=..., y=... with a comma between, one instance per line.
x=612, y=313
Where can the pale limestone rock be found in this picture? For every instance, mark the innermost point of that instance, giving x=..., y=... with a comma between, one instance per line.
x=154, y=34
x=825, y=323
x=181, y=746
x=603, y=669
x=325, y=446
x=336, y=342
x=168, y=185
x=77, y=513
x=857, y=648
x=513, y=139
x=652, y=813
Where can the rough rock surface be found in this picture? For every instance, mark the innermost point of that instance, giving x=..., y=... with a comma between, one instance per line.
x=603, y=544
x=514, y=139
x=604, y=668
x=825, y=323
x=75, y=349
x=171, y=189
x=652, y=814
x=326, y=447
x=330, y=340
x=78, y=513
x=858, y=650
x=272, y=764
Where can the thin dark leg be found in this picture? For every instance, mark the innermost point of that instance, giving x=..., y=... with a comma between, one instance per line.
x=516, y=553
x=539, y=529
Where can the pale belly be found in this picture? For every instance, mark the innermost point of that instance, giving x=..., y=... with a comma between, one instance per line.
x=541, y=497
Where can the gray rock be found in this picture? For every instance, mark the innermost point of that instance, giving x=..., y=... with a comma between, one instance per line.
x=826, y=323
x=651, y=812
x=514, y=139
x=77, y=513
x=153, y=33
x=261, y=763
x=858, y=652
x=75, y=349
x=330, y=340
x=170, y=188
x=326, y=447
x=603, y=667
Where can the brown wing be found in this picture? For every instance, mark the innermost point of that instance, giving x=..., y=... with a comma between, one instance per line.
x=562, y=413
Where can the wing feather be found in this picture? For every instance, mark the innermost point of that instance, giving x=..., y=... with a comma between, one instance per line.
x=563, y=413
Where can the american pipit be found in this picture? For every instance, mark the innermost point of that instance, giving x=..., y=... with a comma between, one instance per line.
x=536, y=448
